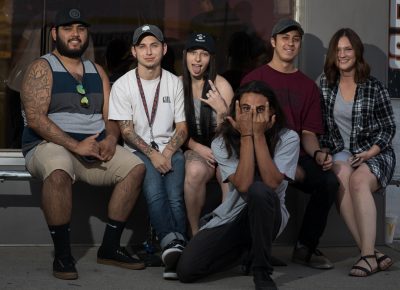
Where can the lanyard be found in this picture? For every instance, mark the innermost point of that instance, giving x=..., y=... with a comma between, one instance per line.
x=151, y=118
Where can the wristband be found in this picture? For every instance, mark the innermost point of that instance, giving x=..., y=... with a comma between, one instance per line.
x=316, y=152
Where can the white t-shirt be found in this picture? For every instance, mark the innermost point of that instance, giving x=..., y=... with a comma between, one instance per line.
x=126, y=104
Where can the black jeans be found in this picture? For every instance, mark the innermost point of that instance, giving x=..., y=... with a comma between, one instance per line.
x=216, y=249
x=323, y=187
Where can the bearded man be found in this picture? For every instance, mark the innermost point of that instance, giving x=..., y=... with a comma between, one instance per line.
x=68, y=137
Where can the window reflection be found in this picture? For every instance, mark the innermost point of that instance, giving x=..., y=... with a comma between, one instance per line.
x=241, y=29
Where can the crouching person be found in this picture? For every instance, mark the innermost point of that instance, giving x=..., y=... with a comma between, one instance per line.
x=256, y=155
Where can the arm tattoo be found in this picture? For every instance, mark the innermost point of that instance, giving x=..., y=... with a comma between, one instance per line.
x=133, y=139
x=176, y=140
x=36, y=92
x=36, y=97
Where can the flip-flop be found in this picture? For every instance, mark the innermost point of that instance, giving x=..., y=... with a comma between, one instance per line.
x=381, y=259
x=365, y=270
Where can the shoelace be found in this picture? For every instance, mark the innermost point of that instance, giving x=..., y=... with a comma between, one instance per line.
x=123, y=252
x=66, y=261
x=176, y=244
x=318, y=252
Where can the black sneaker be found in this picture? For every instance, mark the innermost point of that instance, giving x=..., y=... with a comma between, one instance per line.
x=170, y=258
x=64, y=268
x=263, y=281
x=120, y=258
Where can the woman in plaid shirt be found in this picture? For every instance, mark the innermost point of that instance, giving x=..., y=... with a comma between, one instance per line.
x=359, y=126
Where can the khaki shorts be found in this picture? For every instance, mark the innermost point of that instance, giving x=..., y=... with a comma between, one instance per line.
x=47, y=157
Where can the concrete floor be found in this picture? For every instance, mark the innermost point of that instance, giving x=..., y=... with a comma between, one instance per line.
x=30, y=268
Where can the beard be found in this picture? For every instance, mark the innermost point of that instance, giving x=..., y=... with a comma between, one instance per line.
x=151, y=66
x=63, y=49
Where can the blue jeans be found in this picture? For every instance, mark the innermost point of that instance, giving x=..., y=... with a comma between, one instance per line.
x=164, y=197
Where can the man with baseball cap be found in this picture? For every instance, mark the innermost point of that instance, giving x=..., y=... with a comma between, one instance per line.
x=300, y=100
x=147, y=29
x=68, y=137
x=70, y=16
x=148, y=104
x=285, y=24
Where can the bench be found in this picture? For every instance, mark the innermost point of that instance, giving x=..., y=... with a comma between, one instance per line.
x=14, y=175
x=20, y=199
x=21, y=217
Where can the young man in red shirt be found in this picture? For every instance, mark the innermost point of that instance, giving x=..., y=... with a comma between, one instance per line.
x=300, y=99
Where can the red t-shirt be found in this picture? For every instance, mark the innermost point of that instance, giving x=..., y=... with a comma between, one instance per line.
x=298, y=95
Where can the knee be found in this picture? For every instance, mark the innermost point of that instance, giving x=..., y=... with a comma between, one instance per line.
x=195, y=173
x=327, y=191
x=135, y=176
x=358, y=184
x=59, y=178
x=330, y=184
x=259, y=193
x=153, y=188
x=184, y=275
x=139, y=171
x=153, y=194
x=332, y=180
x=185, y=271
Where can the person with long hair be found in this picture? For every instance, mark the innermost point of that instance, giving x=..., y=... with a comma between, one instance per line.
x=207, y=97
x=299, y=97
x=359, y=128
x=257, y=155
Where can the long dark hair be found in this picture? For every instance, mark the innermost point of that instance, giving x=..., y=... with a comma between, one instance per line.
x=362, y=69
x=232, y=137
x=206, y=111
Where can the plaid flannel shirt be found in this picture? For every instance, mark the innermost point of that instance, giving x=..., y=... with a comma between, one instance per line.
x=372, y=117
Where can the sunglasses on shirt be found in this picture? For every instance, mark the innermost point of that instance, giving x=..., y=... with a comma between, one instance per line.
x=82, y=92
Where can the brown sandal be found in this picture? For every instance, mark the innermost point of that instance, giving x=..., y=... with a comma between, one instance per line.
x=381, y=259
x=365, y=270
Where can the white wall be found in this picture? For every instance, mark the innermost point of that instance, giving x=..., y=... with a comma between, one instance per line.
x=393, y=192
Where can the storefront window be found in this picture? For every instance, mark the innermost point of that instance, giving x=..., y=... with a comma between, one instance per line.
x=241, y=29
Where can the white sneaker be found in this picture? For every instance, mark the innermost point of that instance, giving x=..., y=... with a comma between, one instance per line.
x=170, y=274
x=170, y=258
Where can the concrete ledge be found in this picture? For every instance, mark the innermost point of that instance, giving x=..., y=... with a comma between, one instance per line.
x=20, y=202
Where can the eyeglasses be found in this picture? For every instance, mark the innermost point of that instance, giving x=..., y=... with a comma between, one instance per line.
x=81, y=91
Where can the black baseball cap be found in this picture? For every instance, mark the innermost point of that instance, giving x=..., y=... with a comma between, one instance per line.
x=284, y=24
x=147, y=29
x=70, y=16
x=201, y=40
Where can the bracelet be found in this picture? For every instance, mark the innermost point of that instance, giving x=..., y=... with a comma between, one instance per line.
x=316, y=152
x=246, y=135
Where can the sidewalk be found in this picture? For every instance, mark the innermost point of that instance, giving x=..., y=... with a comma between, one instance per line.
x=30, y=268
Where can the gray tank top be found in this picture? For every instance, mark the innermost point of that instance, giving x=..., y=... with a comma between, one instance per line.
x=197, y=106
x=342, y=113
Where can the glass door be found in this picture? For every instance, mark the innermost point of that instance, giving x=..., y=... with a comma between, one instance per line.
x=241, y=30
